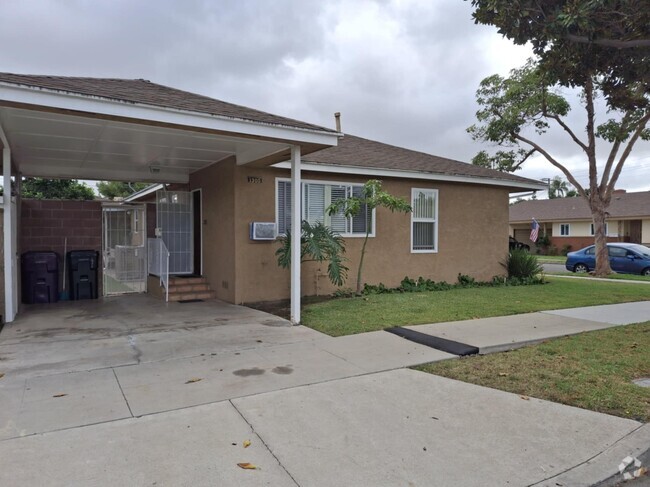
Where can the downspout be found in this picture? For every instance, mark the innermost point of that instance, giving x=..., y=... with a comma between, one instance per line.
x=9, y=251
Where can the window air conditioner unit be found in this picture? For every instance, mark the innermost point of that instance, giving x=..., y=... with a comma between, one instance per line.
x=262, y=231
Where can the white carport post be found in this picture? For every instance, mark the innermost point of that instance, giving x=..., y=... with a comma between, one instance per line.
x=9, y=238
x=296, y=231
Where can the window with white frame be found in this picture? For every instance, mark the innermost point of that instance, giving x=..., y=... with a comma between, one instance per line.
x=317, y=196
x=424, y=220
x=593, y=229
x=565, y=229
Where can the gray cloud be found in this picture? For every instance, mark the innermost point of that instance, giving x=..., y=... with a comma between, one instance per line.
x=400, y=72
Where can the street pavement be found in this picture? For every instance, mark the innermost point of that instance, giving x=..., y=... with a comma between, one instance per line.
x=167, y=396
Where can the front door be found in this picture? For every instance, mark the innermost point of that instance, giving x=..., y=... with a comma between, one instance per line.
x=174, y=225
x=124, y=253
x=197, y=220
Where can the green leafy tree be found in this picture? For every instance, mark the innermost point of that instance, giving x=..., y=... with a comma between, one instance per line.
x=317, y=244
x=576, y=40
x=515, y=112
x=372, y=196
x=118, y=189
x=51, y=189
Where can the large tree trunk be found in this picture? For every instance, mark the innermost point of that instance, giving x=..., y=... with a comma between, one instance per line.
x=598, y=208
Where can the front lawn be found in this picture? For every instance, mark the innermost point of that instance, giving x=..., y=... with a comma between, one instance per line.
x=346, y=316
x=551, y=259
x=627, y=277
x=591, y=370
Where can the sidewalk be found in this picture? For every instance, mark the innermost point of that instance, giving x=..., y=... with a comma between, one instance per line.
x=319, y=411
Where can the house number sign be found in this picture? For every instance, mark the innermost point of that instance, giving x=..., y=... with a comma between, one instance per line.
x=254, y=180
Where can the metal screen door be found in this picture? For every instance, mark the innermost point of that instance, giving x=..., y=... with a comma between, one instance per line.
x=174, y=226
x=125, y=254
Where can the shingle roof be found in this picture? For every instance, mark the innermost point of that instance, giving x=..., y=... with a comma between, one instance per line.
x=359, y=152
x=148, y=93
x=623, y=205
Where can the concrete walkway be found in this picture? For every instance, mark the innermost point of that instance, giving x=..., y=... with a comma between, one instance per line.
x=165, y=395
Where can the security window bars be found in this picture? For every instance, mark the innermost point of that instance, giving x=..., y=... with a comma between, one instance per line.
x=424, y=220
x=316, y=198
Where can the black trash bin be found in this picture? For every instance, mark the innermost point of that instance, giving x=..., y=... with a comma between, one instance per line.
x=82, y=272
x=40, y=277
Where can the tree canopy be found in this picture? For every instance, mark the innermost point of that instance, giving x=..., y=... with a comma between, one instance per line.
x=49, y=189
x=606, y=42
x=118, y=189
x=558, y=188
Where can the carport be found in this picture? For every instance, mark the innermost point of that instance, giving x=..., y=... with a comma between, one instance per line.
x=134, y=130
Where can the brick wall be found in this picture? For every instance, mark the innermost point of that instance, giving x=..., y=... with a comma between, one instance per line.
x=45, y=224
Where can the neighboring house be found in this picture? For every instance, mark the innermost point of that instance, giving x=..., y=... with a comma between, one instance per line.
x=568, y=223
x=223, y=167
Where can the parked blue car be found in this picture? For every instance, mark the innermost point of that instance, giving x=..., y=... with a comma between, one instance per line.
x=625, y=258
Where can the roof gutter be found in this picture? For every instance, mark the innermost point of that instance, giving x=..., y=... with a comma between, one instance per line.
x=393, y=173
x=143, y=192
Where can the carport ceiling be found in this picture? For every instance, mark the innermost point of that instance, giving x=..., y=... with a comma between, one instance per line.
x=57, y=145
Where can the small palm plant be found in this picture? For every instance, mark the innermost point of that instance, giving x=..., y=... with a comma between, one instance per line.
x=318, y=243
x=522, y=265
x=372, y=196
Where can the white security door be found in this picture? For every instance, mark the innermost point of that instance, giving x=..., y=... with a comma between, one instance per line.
x=174, y=226
x=125, y=255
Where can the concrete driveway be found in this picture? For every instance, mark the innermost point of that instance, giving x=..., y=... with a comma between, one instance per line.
x=133, y=391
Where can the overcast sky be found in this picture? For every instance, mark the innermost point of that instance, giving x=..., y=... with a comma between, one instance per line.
x=403, y=72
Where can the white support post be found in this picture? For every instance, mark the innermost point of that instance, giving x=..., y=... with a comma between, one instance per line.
x=296, y=232
x=9, y=250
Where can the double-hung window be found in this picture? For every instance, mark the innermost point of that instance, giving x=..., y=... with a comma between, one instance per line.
x=317, y=196
x=593, y=229
x=565, y=229
x=424, y=220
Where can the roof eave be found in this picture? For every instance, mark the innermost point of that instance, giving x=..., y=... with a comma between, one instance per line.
x=514, y=186
x=65, y=100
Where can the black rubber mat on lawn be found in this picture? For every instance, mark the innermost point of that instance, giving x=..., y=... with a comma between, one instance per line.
x=438, y=343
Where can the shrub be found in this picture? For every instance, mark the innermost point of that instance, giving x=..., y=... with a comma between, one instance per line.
x=565, y=249
x=521, y=265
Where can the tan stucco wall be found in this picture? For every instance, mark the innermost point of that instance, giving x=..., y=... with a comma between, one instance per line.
x=473, y=229
x=218, y=235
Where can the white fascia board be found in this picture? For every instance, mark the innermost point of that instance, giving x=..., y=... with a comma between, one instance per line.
x=143, y=192
x=104, y=106
x=99, y=174
x=391, y=173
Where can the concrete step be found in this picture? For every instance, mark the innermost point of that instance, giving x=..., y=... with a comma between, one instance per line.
x=182, y=281
x=185, y=288
x=192, y=295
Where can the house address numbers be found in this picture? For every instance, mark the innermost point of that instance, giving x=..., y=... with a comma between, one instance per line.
x=254, y=180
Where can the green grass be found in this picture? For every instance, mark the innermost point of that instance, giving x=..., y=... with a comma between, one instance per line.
x=627, y=277
x=551, y=259
x=590, y=370
x=346, y=316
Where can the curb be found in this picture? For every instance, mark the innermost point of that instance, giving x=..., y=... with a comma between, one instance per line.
x=602, y=469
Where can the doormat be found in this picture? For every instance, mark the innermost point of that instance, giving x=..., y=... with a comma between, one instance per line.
x=438, y=343
x=183, y=301
x=186, y=276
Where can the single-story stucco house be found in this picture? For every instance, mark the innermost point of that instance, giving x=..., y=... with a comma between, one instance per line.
x=568, y=222
x=227, y=176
